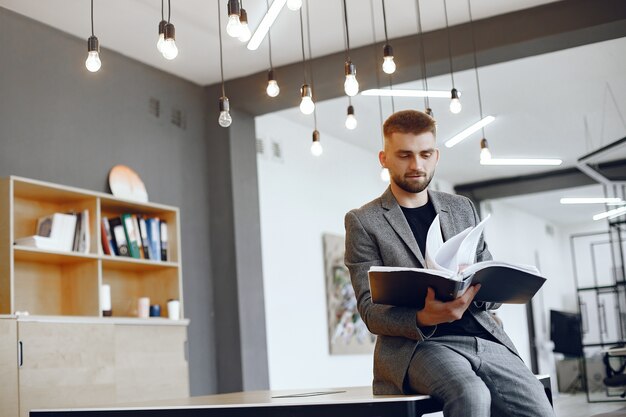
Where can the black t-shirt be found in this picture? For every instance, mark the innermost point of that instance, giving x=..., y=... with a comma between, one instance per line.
x=419, y=220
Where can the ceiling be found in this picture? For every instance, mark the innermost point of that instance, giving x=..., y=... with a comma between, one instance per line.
x=563, y=104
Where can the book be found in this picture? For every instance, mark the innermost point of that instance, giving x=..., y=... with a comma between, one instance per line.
x=164, y=239
x=41, y=242
x=154, y=238
x=451, y=268
x=58, y=226
x=131, y=235
x=84, y=239
x=76, y=239
x=108, y=246
x=119, y=236
x=143, y=232
x=135, y=217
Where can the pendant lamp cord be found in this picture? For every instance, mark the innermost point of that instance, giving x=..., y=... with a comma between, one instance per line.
x=445, y=10
x=345, y=20
x=92, y=34
x=302, y=43
x=308, y=34
x=219, y=27
x=421, y=35
x=269, y=37
x=480, y=102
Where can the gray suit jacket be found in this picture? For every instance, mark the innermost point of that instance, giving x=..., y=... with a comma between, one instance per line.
x=378, y=234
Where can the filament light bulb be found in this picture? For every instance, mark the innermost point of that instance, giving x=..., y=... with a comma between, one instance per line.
x=351, y=121
x=224, y=118
x=272, y=85
x=170, y=50
x=233, y=27
x=455, y=103
x=485, y=153
x=93, y=63
x=389, y=66
x=307, y=106
x=244, y=33
x=351, y=85
x=294, y=4
x=316, y=146
x=161, y=41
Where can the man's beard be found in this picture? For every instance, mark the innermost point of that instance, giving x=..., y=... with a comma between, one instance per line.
x=412, y=186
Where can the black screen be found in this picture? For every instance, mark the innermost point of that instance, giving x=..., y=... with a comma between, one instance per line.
x=565, y=333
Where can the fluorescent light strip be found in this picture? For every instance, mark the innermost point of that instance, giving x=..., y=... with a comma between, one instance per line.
x=266, y=23
x=520, y=161
x=610, y=214
x=379, y=92
x=465, y=133
x=590, y=200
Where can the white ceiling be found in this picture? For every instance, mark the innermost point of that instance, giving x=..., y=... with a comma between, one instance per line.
x=563, y=104
x=130, y=27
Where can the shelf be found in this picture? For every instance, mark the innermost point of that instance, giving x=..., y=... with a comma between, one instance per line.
x=29, y=254
x=124, y=263
x=603, y=287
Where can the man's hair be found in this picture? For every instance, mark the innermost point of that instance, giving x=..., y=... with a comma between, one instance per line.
x=409, y=121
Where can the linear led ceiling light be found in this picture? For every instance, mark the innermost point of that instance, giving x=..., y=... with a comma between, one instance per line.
x=521, y=161
x=591, y=200
x=467, y=132
x=611, y=214
x=266, y=23
x=385, y=92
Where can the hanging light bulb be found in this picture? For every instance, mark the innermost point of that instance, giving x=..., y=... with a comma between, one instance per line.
x=316, y=146
x=272, y=85
x=485, y=153
x=389, y=66
x=224, y=119
x=351, y=121
x=294, y=4
x=351, y=85
x=170, y=51
x=455, y=103
x=233, y=27
x=93, y=62
x=161, y=41
x=245, y=34
x=384, y=175
x=307, y=106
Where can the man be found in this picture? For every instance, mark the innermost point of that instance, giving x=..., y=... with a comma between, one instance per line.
x=454, y=350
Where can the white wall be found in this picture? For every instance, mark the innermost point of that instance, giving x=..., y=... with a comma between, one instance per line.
x=302, y=197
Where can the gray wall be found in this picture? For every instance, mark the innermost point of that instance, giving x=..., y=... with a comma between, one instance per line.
x=62, y=124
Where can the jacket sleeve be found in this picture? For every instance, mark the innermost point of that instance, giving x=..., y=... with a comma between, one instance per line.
x=482, y=254
x=361, y=253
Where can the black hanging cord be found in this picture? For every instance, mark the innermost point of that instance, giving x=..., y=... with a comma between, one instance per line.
x=445, y=10
x=92, y=18
x=385, y=22
x=162, y=11
x=480, y=102
x=169, y=11
x=219, y=30
x=269, y=37
x=308, y=33
x=421, y=35
x=380, y=102
x=345, y=19
x=302, y=43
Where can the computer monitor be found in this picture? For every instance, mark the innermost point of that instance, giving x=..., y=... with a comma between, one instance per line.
x=565, y=333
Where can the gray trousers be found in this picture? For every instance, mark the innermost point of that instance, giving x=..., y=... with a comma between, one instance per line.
x=474, y=377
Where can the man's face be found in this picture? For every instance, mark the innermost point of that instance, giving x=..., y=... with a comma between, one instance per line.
x=411, y=160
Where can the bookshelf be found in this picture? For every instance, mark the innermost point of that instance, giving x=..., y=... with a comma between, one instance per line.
x=65, y=353
x=57, y=283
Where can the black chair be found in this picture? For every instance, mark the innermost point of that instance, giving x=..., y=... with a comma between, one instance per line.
x=614, y=377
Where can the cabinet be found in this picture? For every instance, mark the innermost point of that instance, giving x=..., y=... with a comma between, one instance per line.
x=48, y=282
x=64, y=353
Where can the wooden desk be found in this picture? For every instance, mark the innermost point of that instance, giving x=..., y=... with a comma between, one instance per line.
x=340, y=402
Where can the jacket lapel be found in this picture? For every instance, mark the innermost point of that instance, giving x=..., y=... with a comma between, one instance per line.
x=445, y=215
x=396, y=219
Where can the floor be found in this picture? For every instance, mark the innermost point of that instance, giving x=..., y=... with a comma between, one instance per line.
x=576, y=405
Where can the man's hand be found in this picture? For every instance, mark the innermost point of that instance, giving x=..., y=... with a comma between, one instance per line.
x=436, y=312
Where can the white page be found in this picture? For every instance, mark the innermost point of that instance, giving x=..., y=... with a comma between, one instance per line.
x=434, y=242
x=466, y=254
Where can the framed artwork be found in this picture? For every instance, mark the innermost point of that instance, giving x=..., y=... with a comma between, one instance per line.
x=347, y=334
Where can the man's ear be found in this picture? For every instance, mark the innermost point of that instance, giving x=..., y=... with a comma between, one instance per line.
x=381, y=158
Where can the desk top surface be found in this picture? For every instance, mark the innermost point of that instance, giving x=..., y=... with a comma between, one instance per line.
x=350, y=395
